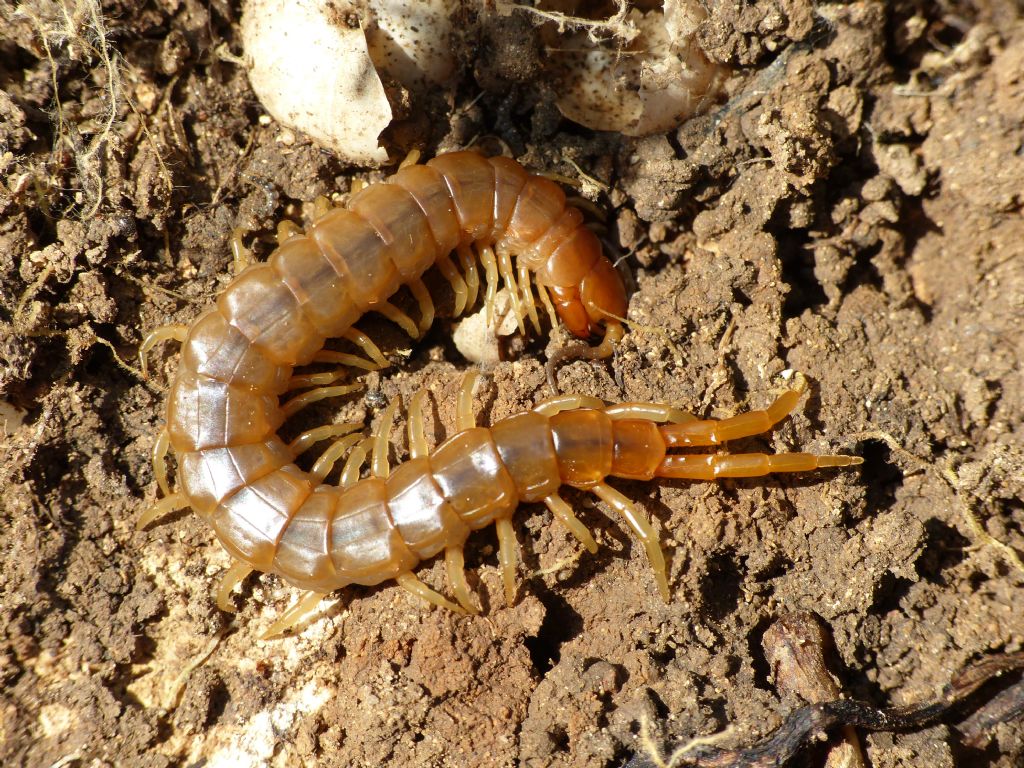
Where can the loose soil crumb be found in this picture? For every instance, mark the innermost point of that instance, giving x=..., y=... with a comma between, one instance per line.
x=852, y=211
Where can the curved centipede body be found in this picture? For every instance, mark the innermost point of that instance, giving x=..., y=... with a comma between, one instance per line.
x=237, y=360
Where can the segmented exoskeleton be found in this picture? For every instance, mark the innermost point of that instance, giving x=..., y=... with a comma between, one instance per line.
x=238, y=358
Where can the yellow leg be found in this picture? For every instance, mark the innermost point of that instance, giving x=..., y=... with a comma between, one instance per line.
x=456, y=566
x=231, y=579
x=286, y=230
x=159, y=461
x=398, y=317
x=451, y=274
x=314, y=379
x=545, y=299
x=563, y=513
x=423, y=298
x=364, y=342
x=471, y=272
x=411, y=159
x=322, y=206
x=379, y=466
x=528, y=302
x=559, y=403
x=241, y=257
x=299, y=402
x=164, y=506
x=491, y=268
x=157, y=336
x=417, y=435
x=307, y=439
x=343, y=358
x=509, y=276
x=410, y=583
x=294, y=615
x=464, y=406
x=325, y=463
x=508, y=556
x=641, y=528
x=354, y=464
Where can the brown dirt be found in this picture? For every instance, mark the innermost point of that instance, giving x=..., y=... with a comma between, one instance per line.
x=853, y=212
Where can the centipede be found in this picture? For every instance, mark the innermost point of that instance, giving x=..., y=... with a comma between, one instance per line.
x=230, y=397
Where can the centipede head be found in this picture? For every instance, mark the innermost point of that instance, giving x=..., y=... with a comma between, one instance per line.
x=597, y=302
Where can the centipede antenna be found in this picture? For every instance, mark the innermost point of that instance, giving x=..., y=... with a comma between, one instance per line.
x=612, y=336
x=578, y=201
x=560, y=178
x=232, y=577
x=656, y=330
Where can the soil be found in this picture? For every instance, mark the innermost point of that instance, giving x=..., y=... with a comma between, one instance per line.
x=850, y=210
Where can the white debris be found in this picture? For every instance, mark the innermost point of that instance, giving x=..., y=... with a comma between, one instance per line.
x=480, y=343
x=648, y=81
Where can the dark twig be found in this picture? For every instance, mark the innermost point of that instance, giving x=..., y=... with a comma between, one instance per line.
x=805, y=724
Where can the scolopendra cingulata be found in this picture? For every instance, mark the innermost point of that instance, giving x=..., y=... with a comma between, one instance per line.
x=237, y=358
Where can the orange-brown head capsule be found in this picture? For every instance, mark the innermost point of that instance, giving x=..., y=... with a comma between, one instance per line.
x=603, y=294
x=600, y=296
